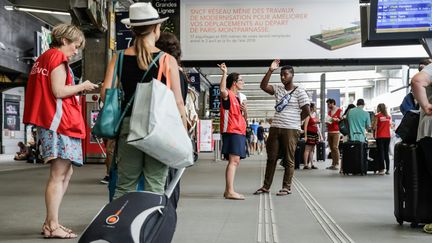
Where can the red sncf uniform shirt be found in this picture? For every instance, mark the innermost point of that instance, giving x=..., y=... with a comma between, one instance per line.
x=334, y=126
x=42, y=108
x=383, y=126
x=232, y=120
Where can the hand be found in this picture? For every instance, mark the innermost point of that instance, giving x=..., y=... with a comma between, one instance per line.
x=88, y=86
x=427, y=109
x=223, y=67
x=274, y=65
x=243, y=107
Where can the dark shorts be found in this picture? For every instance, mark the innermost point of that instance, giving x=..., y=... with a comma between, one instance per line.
x=234, y=144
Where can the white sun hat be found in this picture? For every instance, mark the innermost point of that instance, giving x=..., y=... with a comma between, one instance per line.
x=141, y=14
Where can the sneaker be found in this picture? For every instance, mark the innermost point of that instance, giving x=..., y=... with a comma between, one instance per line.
x=105, y=180
x=387, y=172
x=314, y=167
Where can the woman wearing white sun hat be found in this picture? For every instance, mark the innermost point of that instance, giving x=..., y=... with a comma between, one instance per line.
x=144, y=21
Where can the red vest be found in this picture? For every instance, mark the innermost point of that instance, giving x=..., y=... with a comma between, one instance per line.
x=232, y=120
x=42, y=108
x=383, y=126
x=334, y=126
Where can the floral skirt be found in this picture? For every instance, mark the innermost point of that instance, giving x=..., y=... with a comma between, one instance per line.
x=54, y=145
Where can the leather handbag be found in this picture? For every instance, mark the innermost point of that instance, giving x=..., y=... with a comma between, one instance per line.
x=109, y=118
x=156, y=127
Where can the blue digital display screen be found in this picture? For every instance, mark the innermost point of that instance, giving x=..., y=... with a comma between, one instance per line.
x=395, y=16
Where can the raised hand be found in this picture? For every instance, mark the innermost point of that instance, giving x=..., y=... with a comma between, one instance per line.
x=274, y=65
x=223, y=67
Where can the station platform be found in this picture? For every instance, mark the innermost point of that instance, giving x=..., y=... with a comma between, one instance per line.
x=324, y=206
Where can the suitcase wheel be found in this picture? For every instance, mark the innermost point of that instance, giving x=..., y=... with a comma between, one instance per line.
x=400, y=222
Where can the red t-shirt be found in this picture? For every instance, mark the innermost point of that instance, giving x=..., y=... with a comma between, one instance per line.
x=42, y=108
x=334, y=126
x=383, y=126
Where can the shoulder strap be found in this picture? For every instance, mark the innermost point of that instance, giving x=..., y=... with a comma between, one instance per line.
x=119, y=62
x=295, y=87
x=163, y=64
x=153, y=62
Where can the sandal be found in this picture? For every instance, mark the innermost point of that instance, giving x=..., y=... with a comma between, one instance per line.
x=260, y=191
x=45, y=228
x=66, y=234
x=306, y=167
x=283, y=192
x=231, y=197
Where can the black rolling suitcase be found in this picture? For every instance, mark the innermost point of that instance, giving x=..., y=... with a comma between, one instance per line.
x=320, y=151
x=354, y=158
x=136, y=217
x=298, y=156
x=412, y=186
x=372, y=160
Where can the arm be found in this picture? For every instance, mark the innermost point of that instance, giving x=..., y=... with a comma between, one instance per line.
x=305, y=112
x=222, y=85
x=175, y=87
x=108, y=77
x=265, y=81
x=419, y=83
x=58, y=84
x=243, y=108
x=305, y=125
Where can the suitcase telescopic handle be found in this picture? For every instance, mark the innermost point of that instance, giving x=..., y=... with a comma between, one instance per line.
x=174, y=182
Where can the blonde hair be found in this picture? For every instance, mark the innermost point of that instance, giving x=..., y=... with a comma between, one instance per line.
x=144, y=56
x=66, y=31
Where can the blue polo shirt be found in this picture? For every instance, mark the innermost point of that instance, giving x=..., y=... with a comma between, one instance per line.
x=358, y=120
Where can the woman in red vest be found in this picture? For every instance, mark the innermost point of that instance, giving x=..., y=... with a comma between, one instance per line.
x=52, y=106
x=233, y=127
x=381, y=125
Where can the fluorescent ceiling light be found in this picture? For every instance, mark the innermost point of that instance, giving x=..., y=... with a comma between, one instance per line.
x=35, y=10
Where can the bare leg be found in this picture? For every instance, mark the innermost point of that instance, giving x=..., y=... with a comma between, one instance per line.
x=60, y=174
x=233, y=163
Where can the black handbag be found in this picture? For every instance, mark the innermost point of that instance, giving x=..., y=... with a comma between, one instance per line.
x=407, y=129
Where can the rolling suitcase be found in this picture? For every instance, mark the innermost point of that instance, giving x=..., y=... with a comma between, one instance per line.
x=320, y=151
x=298, y=156
x=354, y=158
x=136, y=217
x=412, y=186
x=372, y=160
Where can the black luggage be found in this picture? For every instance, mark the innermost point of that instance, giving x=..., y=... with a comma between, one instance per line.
x=354, y=158
x=320, y=151
x=372, y=160
x=412, y=186
x=299, y=154
x=135, y=217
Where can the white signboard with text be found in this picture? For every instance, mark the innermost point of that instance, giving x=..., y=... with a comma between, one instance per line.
x=295, y=29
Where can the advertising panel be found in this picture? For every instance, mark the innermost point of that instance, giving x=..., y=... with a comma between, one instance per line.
x=295, y=29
